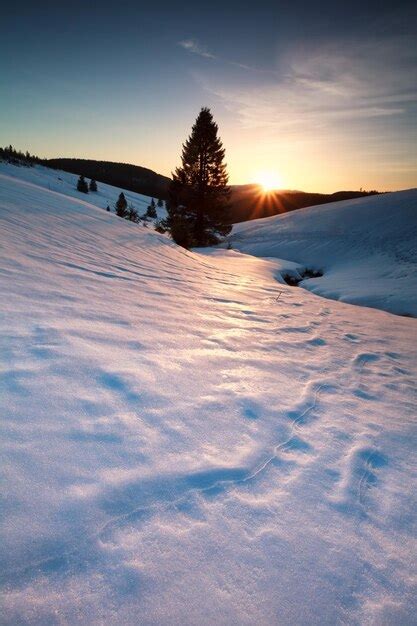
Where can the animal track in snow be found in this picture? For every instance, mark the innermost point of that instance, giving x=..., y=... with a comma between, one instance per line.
x=369, y=461
x=141, y=499
x=351, y=337
x=175, y=489
x=360, y=474
x=364, y=359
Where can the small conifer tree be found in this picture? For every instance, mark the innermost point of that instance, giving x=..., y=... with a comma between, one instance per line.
x=93, y=185
x=121, y=205
x=161, y=226
x=132, y=215
x=151, y=211
x=82, y=185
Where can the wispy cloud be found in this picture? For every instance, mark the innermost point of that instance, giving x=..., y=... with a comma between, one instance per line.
x=191, y=45
x=322, y=88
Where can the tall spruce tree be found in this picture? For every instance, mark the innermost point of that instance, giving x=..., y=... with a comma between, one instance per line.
x=198, y=208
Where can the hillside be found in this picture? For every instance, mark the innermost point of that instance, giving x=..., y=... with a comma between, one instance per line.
x=186, y=439
x=66, y=184
x=365, y=248
x=132, y=177
x=248, y=202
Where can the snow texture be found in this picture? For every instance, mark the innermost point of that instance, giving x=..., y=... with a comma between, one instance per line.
x=65, y=183
x=186, y=440
x=366, y=248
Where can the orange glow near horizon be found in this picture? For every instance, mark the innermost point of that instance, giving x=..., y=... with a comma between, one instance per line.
x=268, y=180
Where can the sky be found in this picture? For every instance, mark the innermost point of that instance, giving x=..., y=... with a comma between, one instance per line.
x=321, y=96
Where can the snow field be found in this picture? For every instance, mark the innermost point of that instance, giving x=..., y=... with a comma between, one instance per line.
x=186, y=440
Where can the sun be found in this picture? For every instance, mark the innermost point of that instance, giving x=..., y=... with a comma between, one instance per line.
x=269, y=180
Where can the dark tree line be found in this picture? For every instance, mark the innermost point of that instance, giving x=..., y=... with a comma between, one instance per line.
x=122, y=175
x=17, y=157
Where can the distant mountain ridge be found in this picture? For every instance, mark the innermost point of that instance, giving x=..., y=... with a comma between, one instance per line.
x=249, y=202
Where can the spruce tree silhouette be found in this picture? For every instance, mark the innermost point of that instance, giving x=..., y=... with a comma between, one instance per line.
x=82, y=185
x=198, y=208
x=121, y=205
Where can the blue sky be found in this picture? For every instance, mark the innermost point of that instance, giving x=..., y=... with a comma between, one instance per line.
x=323, y=95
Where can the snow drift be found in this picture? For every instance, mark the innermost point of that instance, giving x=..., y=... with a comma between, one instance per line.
x=366, y=248
x=186, y=441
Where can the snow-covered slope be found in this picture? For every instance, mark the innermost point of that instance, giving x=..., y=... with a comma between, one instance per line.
x=367, y=248
x=66, y=183
x=186, y=441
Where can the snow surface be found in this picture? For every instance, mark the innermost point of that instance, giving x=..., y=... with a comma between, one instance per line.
x=185, y=440
x=66, y=183
x=367, y=248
